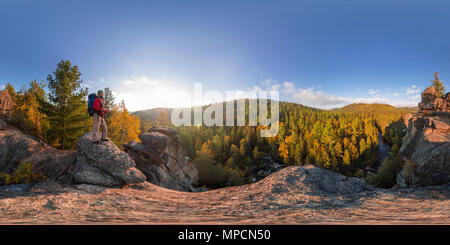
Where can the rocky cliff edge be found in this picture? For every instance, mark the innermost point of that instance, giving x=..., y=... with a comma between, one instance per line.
x=426, y=145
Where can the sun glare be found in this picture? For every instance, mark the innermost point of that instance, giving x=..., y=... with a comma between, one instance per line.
x=141, y=96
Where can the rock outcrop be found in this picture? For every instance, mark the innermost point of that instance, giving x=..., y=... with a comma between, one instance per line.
x=162, y=158
x=269, y=166
x=445, y=106
x=95, y=164
x=3, y=124
x=426, y=145
x=433, y=104
x=17, y=147
x=294, y=195
x=313, y=179
x=6, y=102
x=103, y=165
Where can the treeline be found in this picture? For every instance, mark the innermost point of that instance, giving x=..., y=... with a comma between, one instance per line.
x=59, y=117
x=383, y=114
x=344, y=141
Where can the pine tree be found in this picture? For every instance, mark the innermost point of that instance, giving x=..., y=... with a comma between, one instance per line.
x=12, y=92
x=309, y=159
x=226, y=142
x=284, y=152
x=338, y=150
x=66, y=106
x=437, y=83
x=257, y=154
x=346, y=160
x=298, y=154
x=243, y=147
x=109, y=103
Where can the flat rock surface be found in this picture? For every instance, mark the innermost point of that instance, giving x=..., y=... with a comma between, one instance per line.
x=294, y=195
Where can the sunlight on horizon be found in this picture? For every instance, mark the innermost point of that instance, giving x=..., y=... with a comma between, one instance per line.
x=150, y=98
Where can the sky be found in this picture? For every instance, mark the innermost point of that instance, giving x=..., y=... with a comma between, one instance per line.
x=323, y=54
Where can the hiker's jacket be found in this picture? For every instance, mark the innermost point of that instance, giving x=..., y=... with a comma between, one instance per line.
x=98, y=106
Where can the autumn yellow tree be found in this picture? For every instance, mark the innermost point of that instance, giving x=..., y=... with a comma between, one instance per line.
x=35, y=122
x=284, y=153
x=123, y=127
x=26, y=113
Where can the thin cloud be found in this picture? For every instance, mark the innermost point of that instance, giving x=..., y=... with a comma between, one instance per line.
x=269, y=82
x=288, y=88
x=372, y=92
x=275, y=87
x=314, y=97
x=87, y=84
x=412, y=90
x=320, y=99
x=371, y=100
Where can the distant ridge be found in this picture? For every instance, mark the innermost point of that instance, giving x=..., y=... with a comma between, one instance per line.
x=153, y=114
x=363, y=107
x=347, y=108
x=162, y=114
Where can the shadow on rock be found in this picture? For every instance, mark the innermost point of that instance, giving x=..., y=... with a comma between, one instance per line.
x=48, y=187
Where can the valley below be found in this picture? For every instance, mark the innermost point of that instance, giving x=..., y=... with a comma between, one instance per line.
x=153, y=180
x=294, y=195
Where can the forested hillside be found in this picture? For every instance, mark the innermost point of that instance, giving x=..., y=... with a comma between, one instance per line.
x=384, y=114
x=344, y=140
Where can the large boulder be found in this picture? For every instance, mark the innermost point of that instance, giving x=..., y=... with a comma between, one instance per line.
x=428, y=99
x=313, y=180
x=445, y=106
x=17, y=147
x=103, y=164
x=162, y=158
x=433, y=104
x=426, y=147
x=3, y=124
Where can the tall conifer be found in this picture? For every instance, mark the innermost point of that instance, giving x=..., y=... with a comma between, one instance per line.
x=437, y=83
x=66, y=107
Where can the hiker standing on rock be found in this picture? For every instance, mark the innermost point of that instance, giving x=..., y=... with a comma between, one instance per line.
x=97, y=110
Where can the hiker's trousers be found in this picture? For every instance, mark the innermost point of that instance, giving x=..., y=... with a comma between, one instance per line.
x=98, y=120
